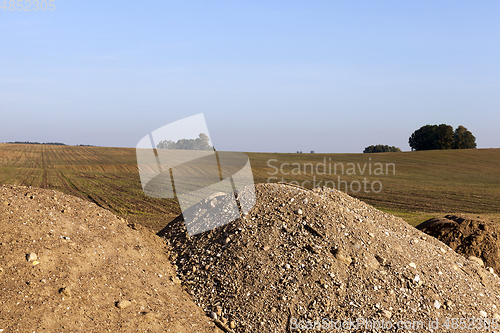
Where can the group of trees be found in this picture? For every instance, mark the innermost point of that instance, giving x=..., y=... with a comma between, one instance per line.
x=442, y=136
x=381, y=149
x=431, y=137
x=200, y=143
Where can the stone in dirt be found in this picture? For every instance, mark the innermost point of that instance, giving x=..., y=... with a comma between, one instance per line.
x=65, y=291
x=123, y=304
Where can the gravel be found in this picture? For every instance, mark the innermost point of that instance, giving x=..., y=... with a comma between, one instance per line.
x=304, y=255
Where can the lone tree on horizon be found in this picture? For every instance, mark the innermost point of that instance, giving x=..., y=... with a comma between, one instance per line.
x=431, y=137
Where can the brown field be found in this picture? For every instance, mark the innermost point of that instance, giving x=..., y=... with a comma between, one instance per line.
x=105, y=176
x=425, y=184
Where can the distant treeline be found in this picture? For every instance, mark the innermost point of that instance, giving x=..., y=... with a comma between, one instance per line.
x=200, y=143
x=47, y=143
x=39, y=143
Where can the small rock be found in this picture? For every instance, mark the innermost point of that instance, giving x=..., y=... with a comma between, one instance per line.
x=65, y=291
x=386, y=313
x=123, y=304
x=267, y=248
x=218, y=310
x=476, y=260
x=340, y=256
x=213, y=315
x=437, y=304
x=345, y=259
x=491, y=270
x=412, y=265
x=227, y=240
x=299, y=211
x=381, y=260
x=222, y=325
x=31, y=256
x=35, y=263
x=232, y=324
x=175, y=280
x=496, y=316
x=483, y=314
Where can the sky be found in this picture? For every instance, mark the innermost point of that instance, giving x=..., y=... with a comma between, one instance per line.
x=269, y=76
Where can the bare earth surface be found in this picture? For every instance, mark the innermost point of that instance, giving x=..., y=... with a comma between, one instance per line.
x=302, y=256
x=299, y=258
x=469, y=237
x=67, y=265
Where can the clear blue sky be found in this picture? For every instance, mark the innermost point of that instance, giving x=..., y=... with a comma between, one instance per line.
x=329, y=76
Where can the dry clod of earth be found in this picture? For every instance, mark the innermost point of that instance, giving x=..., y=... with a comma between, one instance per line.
x=67, y=265
x=477, y=240
x=301, y=256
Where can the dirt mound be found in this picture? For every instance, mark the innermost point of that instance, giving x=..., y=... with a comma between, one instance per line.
x=468, y=237
x=302, y=258
x=67, y=265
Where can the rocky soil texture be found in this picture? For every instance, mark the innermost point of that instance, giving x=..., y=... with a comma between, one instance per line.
x=302, y=256
x=298, y=258
x=67, y=265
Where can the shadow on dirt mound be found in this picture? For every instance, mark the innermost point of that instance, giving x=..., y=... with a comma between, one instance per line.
x=468, y=237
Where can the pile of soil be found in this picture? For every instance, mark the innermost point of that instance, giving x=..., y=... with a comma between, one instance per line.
x=307, y=257
x=469, y=237
x=67, y=265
